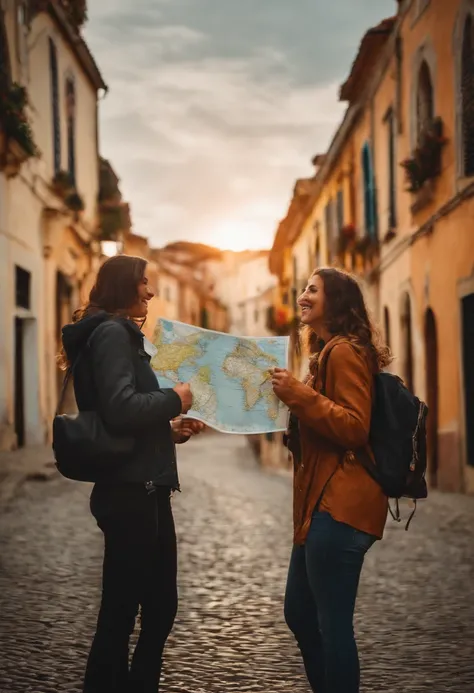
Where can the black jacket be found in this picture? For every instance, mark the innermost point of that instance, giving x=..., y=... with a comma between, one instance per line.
x=112, y=375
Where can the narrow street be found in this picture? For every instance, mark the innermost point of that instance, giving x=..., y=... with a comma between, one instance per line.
x=415, y=619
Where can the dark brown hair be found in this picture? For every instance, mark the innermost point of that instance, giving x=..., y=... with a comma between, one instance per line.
x=346, y=314
x=115, y=290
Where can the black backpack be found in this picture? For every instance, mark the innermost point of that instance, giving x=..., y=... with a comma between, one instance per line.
x=398, y=441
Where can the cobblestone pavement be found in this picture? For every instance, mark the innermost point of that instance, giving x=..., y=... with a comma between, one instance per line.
x=415, y=619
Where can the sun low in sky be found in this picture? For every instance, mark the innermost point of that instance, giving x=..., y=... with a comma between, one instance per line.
x=215, y=108
x=237, y=235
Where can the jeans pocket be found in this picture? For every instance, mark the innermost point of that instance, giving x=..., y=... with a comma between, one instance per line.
x=363, y=540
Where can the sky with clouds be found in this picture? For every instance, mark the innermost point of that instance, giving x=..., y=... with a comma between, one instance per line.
x=216, y=106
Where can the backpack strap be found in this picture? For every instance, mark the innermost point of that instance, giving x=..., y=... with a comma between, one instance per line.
x=323, y=367
x=62, y=394
x=70, y=371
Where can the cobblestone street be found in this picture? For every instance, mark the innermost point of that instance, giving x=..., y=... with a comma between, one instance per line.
x=415, y=619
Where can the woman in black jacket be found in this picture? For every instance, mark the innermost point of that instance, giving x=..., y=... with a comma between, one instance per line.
x=131, y=502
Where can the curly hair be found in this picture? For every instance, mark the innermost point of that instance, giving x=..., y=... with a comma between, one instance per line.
x=346, y=314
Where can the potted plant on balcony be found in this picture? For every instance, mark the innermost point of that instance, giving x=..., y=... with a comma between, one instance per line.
x=113, y=220
x=346, y=239
x=74, y=202
x=17, y=143
x=62, y=184
x=425, y=163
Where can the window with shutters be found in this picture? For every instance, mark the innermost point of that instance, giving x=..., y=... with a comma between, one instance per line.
x=330, y=224
x=386, y=324
x=340, y=210
x=370, y=202
x=56, y=123
x=467, y=96
x=71, y=128
x=392, y=171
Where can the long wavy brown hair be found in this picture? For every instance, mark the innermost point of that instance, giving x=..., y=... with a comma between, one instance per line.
x=346, y=314
x=115, y=291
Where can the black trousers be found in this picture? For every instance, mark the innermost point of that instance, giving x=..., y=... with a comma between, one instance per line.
x=140, y=567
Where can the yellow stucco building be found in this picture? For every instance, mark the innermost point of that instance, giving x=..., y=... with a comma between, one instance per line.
x=393, y=200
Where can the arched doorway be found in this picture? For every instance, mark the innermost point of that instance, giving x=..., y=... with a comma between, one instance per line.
x=407, y=342
x=431, y=374
x=64, y=311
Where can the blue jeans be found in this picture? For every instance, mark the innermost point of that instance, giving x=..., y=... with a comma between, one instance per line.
x=320, y=599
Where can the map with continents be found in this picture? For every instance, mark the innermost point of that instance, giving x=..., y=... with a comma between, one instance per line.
x=229, y=376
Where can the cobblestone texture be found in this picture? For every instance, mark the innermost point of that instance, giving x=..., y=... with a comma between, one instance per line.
x=415, y=618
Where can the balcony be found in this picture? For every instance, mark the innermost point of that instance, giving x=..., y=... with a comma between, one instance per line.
x=16, y=136
x=280, y=322
x=425, y=165
x=114, y=221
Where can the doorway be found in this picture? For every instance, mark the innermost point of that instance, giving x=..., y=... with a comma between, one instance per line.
x=468, y=364
x=64, y=310
x=431, y=364
x=407, y=342
x=19, y=382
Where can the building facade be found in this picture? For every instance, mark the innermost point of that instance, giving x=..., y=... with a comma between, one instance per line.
x=392, y=200
x=49, y=184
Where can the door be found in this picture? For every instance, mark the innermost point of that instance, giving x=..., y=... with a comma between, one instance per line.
x=468, y=362
x=19, y=383
x=407, y=343
x=431, y=360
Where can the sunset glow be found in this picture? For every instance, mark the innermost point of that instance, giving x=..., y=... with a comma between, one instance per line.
x=237, y=235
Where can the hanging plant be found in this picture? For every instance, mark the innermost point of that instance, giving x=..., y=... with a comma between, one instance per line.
x=348, y=231
x=109, y=190
x=62, y=184
x=75, y=10
x=425, y=163
x=74, y=202
x=14, y=121
x=113, y=220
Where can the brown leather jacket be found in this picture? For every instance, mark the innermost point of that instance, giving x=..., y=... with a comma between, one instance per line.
x=332, y=429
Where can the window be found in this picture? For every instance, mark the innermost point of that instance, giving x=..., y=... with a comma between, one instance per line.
x=294, y=290
x=392, y=171
x=317, y=252
x=53, y=73
x=424, y=99
x=71, y=128
x=340, y=209
x=370, y=201
x=467, y=96
x=330, y=223
x=386, y=324
x=20, y=32
x=22, y=288
x=204, y=318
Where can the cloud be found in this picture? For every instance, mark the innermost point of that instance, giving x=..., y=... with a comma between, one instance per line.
x=206, y=136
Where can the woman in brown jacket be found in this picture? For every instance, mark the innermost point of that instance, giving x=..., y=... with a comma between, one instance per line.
x=339, y=510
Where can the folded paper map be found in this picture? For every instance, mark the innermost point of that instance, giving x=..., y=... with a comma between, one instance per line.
x=229, y=376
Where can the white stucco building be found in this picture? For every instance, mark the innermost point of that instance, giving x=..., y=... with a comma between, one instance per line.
x=245, y=285
x=48, y=209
